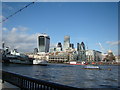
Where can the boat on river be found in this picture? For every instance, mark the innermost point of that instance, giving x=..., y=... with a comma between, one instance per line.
x=77, y=63
x=40, y=62
x=17, y=59
x=92, y=67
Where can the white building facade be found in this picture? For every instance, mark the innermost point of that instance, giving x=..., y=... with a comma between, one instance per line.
x=93, y=55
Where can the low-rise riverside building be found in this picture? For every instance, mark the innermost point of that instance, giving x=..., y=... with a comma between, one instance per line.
x=93, y=56
x=62, y=56
x=40, y=56
x=58, y=58
x=109, y=57
x=117, y=58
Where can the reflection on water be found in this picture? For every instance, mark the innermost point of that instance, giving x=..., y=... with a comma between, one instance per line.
x=69, y=74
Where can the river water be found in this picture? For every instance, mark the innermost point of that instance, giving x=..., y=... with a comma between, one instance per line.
x=71, y=75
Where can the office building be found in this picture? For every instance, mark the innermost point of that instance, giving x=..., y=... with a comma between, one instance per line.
x=109, y=57
x=43, y=43
x=93, y=56
x=72, y=45
x=59, y=47
x=78, y=44
x=59, y=44
x=35, y=50
x=81, y=51
x=66, y=43
x=80, y=47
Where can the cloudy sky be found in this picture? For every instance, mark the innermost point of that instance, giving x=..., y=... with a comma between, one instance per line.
x=95, y=23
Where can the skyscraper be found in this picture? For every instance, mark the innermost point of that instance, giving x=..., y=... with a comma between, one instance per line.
x=59, y=44
x=81, y=51
x=35, y=50
x=66, y=42
x=43, y=43
x=80, y=47
x=59, y=47
x=72, y=45
x=3, y=45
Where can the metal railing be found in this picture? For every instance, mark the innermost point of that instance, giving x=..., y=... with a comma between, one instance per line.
x=28, y=83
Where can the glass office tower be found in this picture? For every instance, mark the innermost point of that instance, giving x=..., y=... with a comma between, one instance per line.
x=81, y=51
x=66, y=42
x=43, y=43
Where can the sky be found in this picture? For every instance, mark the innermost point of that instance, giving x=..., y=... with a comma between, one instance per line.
x=94, y=23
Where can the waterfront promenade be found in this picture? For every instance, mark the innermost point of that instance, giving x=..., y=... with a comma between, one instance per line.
x=7, y=85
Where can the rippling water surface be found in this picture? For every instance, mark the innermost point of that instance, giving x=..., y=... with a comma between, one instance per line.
x=71, y=75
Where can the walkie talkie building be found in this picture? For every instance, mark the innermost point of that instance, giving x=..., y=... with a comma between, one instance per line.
x=43, y=43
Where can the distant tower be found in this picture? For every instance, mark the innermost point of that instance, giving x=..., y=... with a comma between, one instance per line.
x=78, y=44
x=3, y=45
x=81, y=51
x=43, y=43
x=66, y=42
x=72, y=45
x=82, y=46
x=35, y=50
x=59, y=47
x=59, y=44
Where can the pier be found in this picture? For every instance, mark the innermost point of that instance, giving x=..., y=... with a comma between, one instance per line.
x=24, y=82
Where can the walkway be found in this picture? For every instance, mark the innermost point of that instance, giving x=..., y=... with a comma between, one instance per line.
x=5, y=86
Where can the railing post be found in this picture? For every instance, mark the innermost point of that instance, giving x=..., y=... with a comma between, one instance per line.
x=21, y=82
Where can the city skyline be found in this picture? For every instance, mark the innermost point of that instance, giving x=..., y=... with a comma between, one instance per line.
x=91, y=23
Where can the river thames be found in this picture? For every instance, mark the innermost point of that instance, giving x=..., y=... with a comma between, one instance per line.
x=71, y=75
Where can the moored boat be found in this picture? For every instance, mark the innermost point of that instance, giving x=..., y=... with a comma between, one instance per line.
x=77, y=63
x=40, y=62
x=17, y=59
